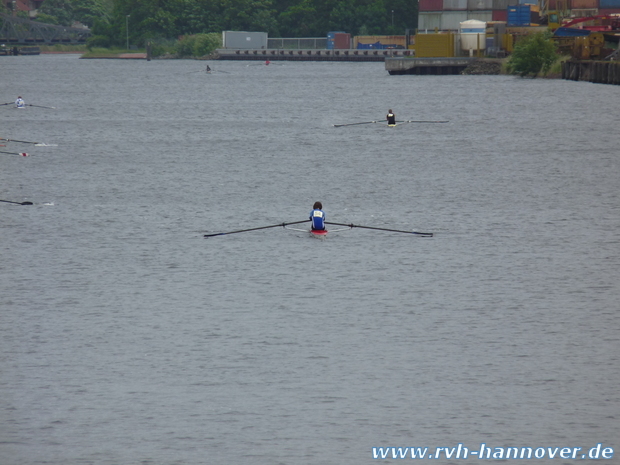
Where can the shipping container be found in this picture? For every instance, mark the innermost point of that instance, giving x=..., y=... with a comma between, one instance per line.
x=584, y=4
x=434, y=45
x=430, y=5
x=583, y=13
x=499, y=15
x=451, y=20
x=609, y=11
x=244, y=40
x=429, y=21
x=609, y=4
x=479, y=4
x=560, y=5
x=379, y=42
x=330, y=39
x=519, y=15
x=486, y=16
x=450, y=5
x=503, y=4
x=342, y=41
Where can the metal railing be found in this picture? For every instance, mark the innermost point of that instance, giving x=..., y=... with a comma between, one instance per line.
x=304, y=43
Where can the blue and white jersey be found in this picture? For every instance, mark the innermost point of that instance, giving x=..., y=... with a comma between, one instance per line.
x=318, y=219
x=19, y=103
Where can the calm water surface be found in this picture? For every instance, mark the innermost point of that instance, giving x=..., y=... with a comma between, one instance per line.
x=128, y=338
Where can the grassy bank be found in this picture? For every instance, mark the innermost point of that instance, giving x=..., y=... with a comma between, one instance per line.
x=63, y=48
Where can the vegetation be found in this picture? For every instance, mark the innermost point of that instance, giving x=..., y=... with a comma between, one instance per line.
x=66, y=12
x=532, y=55
x=112, y=21
x=198, y=45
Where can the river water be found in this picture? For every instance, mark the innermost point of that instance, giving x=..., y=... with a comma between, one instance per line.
x=126, y=337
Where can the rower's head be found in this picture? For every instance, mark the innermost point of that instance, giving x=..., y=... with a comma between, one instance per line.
x=390, y=110
x=317, y=206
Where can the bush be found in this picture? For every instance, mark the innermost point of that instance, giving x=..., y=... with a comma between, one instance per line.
x=98, y=41
x=533, y=54
x=198, y=45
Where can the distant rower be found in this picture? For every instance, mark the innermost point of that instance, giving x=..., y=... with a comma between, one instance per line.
x=267, y=62
x=208, y=69
x=317, y=215
x=19, y=103
x=391, y=118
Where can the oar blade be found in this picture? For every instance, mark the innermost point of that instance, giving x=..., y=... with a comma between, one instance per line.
x=23, y=154
x=39, y=106
x=17, y=203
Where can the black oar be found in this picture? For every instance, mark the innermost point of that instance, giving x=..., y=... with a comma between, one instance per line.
x=382, y=229
x=18, y=203
x=10, y=103
x=353, y=124
x=40, y=144
x=40, y=106
x=23, y=154
x=22, y=141
x=255, y=229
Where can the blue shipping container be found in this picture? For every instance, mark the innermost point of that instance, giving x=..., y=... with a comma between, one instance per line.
x=519, y=15
x=331, y=37
x=609, y=4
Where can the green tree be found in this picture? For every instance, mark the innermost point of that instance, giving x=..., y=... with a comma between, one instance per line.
x=198, y=45
x=533, y=54
x=299, y=20
x=61, y=10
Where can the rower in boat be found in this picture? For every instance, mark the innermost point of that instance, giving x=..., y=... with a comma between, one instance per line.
x=317, y=216
x=208, y=69
x=19, y=103
x=391, y=118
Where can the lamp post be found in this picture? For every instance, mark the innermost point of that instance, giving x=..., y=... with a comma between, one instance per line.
x=392, y=18
x=127, y=29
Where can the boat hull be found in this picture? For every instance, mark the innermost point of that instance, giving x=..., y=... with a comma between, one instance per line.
x=318, y=232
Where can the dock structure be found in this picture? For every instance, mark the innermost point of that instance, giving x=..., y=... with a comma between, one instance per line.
x=601, y=72
x=425, y=66
x=312, y=54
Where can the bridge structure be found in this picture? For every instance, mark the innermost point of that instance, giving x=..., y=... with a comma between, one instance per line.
x=18, y=31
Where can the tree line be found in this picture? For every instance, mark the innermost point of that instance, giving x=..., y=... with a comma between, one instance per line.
x=110, y=20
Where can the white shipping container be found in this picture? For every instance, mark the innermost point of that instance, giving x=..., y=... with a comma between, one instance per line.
x=479, y=4
x=428, y=21
x=454, y=5
x=486, y=16
x=244, y=40
x=451, y=20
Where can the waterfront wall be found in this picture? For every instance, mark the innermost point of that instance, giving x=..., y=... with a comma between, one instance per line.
x=603, y=72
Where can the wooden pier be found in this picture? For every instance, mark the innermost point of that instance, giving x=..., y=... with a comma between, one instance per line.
x=433, y=66
x=312, y=54
x=602, y=72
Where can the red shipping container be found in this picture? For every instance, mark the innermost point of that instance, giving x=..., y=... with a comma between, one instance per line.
x=499, y=15
x=342, y=40
x=559, y=4
x=584, y=4
x=609, y=11
x=431, y=5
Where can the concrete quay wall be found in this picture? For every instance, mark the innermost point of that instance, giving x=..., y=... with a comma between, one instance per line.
x=433, y=66
x=312, y=54
x=602, y=72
